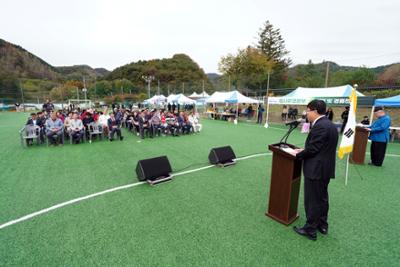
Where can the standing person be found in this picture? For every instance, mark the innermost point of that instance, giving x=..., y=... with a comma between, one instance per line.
x=249, y=112
x=329, y=114
x=17, y=105
x=345, y=117
x=379, y=135
x=290, y=113
x=365, y=121
x=295, y=112
x=318, y=155
x=260, y=114
x=284, y=113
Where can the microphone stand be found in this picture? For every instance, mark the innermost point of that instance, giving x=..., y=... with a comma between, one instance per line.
x=283, y=141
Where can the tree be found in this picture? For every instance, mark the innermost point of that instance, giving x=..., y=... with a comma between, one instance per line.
x=102, y=88
x=248, y=68
x=361, y=76
x=309, y=76
x=65, y=91
x=391, y=76
x=171, y=72
x=271, y=43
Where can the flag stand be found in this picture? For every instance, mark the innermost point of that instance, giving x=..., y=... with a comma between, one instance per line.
x=347, y=169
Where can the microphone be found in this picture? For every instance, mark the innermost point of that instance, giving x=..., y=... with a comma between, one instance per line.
x=293, y=123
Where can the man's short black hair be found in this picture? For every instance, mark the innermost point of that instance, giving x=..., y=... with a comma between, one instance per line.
x=318, y=105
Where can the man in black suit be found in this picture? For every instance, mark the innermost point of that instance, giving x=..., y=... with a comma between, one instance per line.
x=318, y=155
x=114, y=126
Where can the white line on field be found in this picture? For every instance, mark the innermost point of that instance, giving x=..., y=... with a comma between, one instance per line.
x=63, y=204
x=76, y=200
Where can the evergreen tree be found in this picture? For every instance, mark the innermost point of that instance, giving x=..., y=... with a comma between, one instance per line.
x=271, y=43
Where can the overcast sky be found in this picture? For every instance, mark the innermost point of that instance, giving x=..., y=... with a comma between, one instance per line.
x=113, y=33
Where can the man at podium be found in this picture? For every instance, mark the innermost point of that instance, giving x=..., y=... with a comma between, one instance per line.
x=318, y=155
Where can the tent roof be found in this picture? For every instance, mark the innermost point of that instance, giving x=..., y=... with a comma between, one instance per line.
x=237, y=97
x=393, y=101
x=202, y=94
x=155, y=99
x=194, y=94
x=230, y=97
x=218, y=97
x=338, y=91
x=180, y=99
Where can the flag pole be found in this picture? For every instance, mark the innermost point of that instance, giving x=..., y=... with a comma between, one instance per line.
x=347, y=169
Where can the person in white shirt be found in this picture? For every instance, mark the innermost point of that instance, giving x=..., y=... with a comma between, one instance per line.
x=103, y=121
x=67, y=122
x=194, y=120
x=76, y=128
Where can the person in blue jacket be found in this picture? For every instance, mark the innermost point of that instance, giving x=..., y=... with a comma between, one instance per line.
x=379, y=135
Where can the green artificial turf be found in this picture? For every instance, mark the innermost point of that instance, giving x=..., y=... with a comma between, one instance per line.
x=213, y=217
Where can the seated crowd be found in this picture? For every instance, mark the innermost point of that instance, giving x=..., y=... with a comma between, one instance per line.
x=79, y=125
x=161, y=122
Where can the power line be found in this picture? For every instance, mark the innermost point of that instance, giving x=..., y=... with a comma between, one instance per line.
x=368, y=57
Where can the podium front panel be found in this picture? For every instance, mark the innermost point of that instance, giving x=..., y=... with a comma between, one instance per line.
x=359, y=146
x=284, y=188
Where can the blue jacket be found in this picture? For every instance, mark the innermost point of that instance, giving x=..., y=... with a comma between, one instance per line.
x=380, y=129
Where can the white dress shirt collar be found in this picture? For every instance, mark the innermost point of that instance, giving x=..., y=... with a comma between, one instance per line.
x=317, y=119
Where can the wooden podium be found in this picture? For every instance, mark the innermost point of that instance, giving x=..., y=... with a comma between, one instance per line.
x=359, y=146
x=285, y=185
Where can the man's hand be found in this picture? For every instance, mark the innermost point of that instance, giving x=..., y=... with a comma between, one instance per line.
x=368, y=129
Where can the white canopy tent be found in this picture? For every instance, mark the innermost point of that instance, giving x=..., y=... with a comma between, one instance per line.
x=303, y=95
x=234, y=97
x=180, y=99
x=230, y=97
x=156, y=100
x=194, y=95
x=338, y=95
x=201, y=95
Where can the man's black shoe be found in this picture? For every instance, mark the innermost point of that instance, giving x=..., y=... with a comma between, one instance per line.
x=303, y=232
x=121, y=138
x=323, y=230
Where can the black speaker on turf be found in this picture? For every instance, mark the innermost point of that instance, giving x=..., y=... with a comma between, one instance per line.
x=154, y=170
x=223, y=156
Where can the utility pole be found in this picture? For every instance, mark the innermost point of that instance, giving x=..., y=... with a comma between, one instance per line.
x=203, y=87
x=95, y=88
x=84, y=90
x=62, y=98
x=266, y=125
x=327, y=74
x=148, y=79
x=77, y=94
x=22, y=96
x=183, y=88
x=269, y=74
x=229, y=83
x=158, y=88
